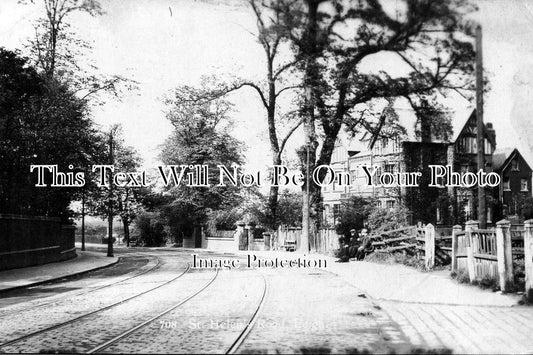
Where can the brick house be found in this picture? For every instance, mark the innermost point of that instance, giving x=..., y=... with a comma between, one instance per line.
x=410, y=152
x=515, y=185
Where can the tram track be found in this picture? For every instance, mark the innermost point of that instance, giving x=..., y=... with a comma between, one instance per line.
x=82, y=317
x=242, y=335
x=82, y=293
x=130, y=331
x=121, y=336
x=250, y=325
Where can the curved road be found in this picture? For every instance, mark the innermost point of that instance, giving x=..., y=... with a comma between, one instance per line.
x=152, y=301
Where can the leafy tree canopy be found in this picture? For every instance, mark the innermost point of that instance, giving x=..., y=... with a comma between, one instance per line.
x=42, y=122
x=201, y=136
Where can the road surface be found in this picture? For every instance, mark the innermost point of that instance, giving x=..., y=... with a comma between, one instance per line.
x=156, y=301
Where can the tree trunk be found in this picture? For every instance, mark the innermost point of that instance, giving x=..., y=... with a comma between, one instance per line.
x=274, y=143
x=273, y=198
x=308, y=153
x=126, y=224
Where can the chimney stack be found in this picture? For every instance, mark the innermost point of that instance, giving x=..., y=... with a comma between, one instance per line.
x=491, y=133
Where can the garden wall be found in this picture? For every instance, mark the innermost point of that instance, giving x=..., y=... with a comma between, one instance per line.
x=30, y=240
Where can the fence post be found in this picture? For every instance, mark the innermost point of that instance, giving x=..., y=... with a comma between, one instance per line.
x=239, y=235
x=505, y=255
x=267, y=240
x=250, y=227
x=455, y=246
x=470, y=262
x=429, y=245
x=278, y=238
x=528, y=255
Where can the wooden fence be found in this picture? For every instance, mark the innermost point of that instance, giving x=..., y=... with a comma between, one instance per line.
x=489, y=253
x=414, y=240
x=323, y=241
x=481, y=253
x=326, y=241
x=284, y=234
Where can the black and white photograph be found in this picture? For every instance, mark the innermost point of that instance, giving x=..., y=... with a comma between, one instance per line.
x=266, y=176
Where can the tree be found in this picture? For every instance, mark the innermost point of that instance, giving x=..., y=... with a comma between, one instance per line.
x=57, y=51
x=42, y=123
x=383, y=219
x=151, y=229
x=270, y=38
x=277, y=82
x=123, y=201
x=50, y=45
x=332, y=39
x=290, y=208
x=354, y=214
x=201, y=136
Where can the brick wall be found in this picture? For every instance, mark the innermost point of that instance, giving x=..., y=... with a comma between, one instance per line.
x=29, y=240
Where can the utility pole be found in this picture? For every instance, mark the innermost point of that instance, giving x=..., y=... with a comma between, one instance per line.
x=306, y=247
x=303, y=243
x=482, y=207
x=110, y=200
x=83, y=220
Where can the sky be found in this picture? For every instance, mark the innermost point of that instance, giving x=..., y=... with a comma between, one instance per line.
x=166, y=43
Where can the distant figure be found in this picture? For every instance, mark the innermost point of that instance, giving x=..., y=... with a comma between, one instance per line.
x=353, y=244
x=366, y=246
x=343, y=250
x=348, y=246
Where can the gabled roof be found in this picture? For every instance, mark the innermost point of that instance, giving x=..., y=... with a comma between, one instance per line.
x=460, y=123
x=499, y=157
x=459, y=119
x=502, y=158
x=407, y=119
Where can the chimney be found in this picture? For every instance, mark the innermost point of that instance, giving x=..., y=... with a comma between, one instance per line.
x=425, y=129
x=491, y=133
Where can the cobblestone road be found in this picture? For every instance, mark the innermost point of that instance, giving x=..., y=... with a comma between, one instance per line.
x=304, y=310
x=311, y=311
x=465, y=329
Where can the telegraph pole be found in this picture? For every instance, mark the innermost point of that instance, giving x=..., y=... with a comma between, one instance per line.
x=308, y=203
x=110, y=201
x=482, y=207
x=83, y=220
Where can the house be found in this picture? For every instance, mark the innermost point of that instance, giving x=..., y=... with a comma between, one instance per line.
x=515, y=174
x=412, y=151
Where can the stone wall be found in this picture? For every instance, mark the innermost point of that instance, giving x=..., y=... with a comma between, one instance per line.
x=29, y=240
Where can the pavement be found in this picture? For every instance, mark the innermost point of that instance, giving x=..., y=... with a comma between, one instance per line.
x=396, y=282
x=433, y=311
x=35, y=275
x=406, y=284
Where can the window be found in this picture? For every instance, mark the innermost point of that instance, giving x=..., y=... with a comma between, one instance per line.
x=468, y=145
x=390, y=204
x=355, y=175
x=514, y=165
x=389, y=168
x=378, y=147
x=336, y=211
x=506, y=184
x=488, y=147
x=397, y=145
x=523, y=184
